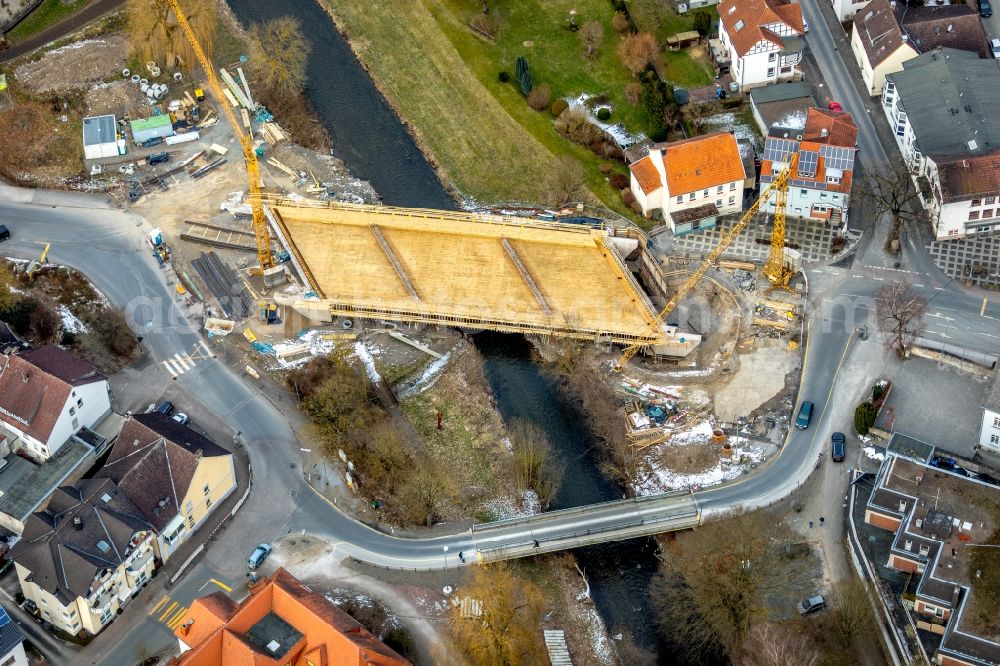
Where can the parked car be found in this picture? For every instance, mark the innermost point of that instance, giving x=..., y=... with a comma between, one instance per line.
x=995, y=47
x=805, y=415
x=835, y=106
x=181, y=418
x=258, y=556
x=158, y=158
x=812, y=604
x=805, y=26
x=166, y=408
x=838, y=444
x=985, y=10
x=4, y=233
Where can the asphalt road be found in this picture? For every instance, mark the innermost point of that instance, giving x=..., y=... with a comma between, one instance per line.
x=93, y=10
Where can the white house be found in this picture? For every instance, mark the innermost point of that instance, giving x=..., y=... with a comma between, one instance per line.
x=989, y=430
x=11, y=642
x=888, y=33
x=100, y=138
x=948, y=131
x=46, y=396
x=846, y=9
x=691, y=182
x=820, y=185
x=762, y=39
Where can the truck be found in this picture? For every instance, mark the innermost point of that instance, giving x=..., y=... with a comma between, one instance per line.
x=160, y=248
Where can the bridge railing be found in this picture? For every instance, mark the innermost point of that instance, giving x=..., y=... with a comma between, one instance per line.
x=636, y=502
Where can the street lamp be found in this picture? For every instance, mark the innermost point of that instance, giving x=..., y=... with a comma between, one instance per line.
x=446, y=590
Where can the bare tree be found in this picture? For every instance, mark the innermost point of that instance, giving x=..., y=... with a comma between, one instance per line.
x=279, y=53
x=424, y=492
x=535, y=466
x=890, y=190
x=591, y=34
x=710, y=591
x=851, y=611
x=772, y=645
x=564, y=181
x=507, y=627
x=637, y=51
x=155, y=34
x=900, y=314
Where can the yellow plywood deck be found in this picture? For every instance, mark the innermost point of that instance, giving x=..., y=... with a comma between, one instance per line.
x=463, y=275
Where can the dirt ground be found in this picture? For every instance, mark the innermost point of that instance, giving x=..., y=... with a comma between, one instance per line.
x=120, y=98
x=75, y=66
x=760, y=376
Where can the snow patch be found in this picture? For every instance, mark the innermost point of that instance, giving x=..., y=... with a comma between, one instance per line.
x=793, y=120
x=594, y=626
x=318, y=346
x=366, y=357
x=700, y=434
x=621, y=135
x=662, y=479
x=873, y=453
x=426, y=379
x=730, y=122
x=508, y=507
x=70, y=323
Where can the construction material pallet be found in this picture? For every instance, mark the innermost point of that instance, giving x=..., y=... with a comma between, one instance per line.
x=220, y=237
x=225, y=285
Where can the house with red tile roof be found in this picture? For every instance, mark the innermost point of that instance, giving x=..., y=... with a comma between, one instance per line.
x=46, y=396
x=819, y=186
x=172, y=474
x=690, y=183
x=762, y=39
x=281, y=622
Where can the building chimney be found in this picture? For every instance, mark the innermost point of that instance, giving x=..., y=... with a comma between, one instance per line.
x=78, y=522
x=824, y=132
x=955, y=593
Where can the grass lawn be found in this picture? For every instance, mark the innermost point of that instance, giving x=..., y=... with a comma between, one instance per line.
x=661, y=18
x=48, y=13
x=443, y=81
x=686, y=70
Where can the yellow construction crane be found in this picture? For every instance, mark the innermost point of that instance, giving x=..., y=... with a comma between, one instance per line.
x=780, y=186
x=260, y=231
x=774, y=268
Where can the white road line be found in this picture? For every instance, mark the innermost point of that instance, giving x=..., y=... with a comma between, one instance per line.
x=857, y=276
x=183, y=362
x=919, y=286
x=989, y=335
x=879, y=279
x=206, y=348
x=170, y=368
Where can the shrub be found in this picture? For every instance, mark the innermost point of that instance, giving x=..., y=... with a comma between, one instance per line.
x=637, y=51
x=558, y=107
x=564, y=182
x=503, y=76
x=523, y=75
x=864, y=417
x=702, y=23
x=538, y=99
x=619, y=181
x=591, y=34
x=603, y=113
x=575, y=126
x=484, y=25
x=620, y=23
x=604, y=168
x=633, y=92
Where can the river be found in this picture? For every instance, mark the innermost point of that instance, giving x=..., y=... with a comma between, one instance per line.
x=374, y=145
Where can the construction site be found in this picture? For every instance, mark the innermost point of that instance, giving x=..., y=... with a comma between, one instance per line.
x=287, y=259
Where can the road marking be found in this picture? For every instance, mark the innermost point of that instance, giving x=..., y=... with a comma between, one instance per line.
x=879, y=279
x=989, y=335
x=919, y=286
x=857, y=276
x=938, y=314
x=210, y=581
x=167, y=612
x=177, y=617
x=159, y=605
x=982, y=310
x=179, y=364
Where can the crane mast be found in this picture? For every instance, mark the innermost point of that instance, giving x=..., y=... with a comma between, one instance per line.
x=261, y=233
x=780, y=186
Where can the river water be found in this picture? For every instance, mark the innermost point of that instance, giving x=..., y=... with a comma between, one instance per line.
x=374, y=145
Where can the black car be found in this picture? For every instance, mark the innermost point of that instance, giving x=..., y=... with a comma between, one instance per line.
x=4, y=232
x=837, y=446
x=166, y=408
x=985, y=10
x=158, y=158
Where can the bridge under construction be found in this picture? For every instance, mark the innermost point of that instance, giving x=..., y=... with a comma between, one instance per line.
x=492, y=272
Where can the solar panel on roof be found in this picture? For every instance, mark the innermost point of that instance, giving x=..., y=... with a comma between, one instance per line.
x=4, y=618
x=808, y=159
x=838, y=157
x=778, y=150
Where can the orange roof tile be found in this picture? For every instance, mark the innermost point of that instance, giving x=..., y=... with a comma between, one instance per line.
x=755, y=14
x=328, y=634
x=839, y=126
x=702, y=162
x=646, y=174
x=205, y=616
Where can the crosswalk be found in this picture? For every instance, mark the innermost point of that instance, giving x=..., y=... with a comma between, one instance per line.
x=168, y=612
x=181, y=363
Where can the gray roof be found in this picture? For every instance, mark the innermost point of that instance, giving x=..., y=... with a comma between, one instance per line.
x=10, y=635
x=87, y=528
x=991, y=397
x=98, y=130
x=25, y=484
x=780, y=92
x=950, y=98
x=911, y=448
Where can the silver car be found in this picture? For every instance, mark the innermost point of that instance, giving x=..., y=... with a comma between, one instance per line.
x=995, y=47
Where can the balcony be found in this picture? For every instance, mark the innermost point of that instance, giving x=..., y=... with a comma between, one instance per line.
x=141, y=561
